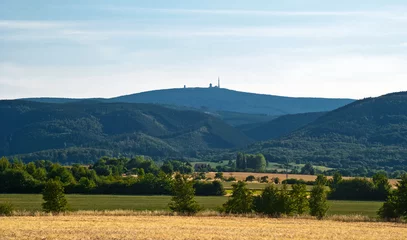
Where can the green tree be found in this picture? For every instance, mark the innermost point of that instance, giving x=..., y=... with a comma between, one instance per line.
x=299, y=200
x=219, y=175
x=318, y=202
x=269, y=202
x=4, y=164
x=167, y=168
x=396, y=205
x=335, y=181
x=183, y=200
x=274, y=202
x=321, y=180
x=241, y=199
x=54, y=197
x=259, y=163
x=308, y=169
x=382, y=185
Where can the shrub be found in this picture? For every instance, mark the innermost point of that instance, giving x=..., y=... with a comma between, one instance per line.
x=264, y=179
x=214, y=188
x=54, y=197
x=6, y=209
x=219, y=175
x=230, y=179
x=250, y=178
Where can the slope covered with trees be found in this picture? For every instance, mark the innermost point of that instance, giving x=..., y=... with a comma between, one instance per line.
x=88, y=130
x=362, y=136
x=280, y=126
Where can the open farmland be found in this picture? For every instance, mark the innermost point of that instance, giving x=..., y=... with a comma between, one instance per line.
x=32, y=202
x=90, y=227
x=242, y=176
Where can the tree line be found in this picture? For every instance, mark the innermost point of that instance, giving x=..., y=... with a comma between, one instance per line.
x=136, y=176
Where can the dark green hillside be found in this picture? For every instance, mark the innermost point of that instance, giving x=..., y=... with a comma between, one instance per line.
x=367, y=134
x=63, y=130
x=280, y=126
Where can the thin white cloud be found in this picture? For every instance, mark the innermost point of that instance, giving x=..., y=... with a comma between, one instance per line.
x=34, y=25
x=77, y=35
x=246, y=12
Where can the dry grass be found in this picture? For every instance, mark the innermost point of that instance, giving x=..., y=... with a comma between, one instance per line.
x=83, y=226
x=242, y=176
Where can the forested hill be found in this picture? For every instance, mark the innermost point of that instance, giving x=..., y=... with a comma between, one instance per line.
x=84, y=131
x=220, y=99
x=280, y=126
x=370, y=133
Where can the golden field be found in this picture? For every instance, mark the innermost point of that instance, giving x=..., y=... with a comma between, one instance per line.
x=99, y=227
x=242, y=176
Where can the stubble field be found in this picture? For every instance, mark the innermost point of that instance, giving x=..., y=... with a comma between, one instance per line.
x=175, y=227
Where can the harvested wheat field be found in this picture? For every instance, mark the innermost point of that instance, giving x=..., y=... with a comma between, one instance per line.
x=242, y=176
x=77, y=227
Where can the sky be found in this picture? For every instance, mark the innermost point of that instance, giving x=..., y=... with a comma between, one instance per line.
x=301, y=48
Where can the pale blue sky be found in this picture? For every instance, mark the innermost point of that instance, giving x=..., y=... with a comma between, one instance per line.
x=97, y=48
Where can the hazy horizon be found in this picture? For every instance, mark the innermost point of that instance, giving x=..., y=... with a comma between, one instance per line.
x=93, y=49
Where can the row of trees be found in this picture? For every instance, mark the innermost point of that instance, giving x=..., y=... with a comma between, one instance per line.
x=275, y=202
x=107, y=176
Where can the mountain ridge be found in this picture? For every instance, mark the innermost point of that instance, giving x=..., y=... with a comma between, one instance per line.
x=221, y=99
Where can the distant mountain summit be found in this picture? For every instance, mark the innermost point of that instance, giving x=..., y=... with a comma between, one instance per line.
x=221, y=99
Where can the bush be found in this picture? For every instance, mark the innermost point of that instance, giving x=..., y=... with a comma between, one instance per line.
x=250, y=178
x=219, y=175
x=264, y=179
x=6, y=209
x=230, y=179
x=214, y=188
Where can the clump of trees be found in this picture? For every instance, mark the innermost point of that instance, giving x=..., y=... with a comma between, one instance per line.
x=249, y=162
x=395, y=206
x=135, y=176
x=360, y=188
x=275, y=202
x=240, y=201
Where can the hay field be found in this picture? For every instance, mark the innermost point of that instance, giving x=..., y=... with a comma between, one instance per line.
x=242, y=176
x=175, y=227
